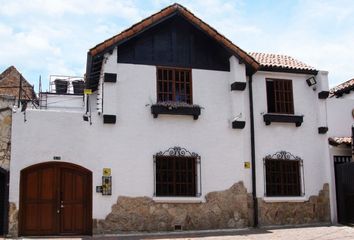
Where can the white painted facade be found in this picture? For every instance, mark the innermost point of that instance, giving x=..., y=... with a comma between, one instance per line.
x=303, y=141
x=340, y=122
x=128, y=146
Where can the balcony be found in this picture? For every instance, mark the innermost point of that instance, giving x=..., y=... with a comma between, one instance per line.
x=64, y=93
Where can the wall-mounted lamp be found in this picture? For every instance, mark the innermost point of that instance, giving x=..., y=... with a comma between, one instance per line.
x=311, y=81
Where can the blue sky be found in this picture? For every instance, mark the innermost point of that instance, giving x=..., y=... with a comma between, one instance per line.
x=43, y=37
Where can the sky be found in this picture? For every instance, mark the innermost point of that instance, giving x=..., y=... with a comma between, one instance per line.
x=44, y=37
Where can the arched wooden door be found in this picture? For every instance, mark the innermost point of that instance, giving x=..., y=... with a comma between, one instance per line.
x=55, y=199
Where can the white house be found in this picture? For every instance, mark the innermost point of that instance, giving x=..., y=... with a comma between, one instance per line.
x=183, y=130
x=340, y=108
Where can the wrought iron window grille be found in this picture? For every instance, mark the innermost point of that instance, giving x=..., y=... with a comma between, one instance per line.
x=179, y=152
x=285, y=156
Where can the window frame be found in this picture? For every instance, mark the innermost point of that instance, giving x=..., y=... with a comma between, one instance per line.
x=284, y=157
x=174, y=69
x=177, y=153
x=286, y=102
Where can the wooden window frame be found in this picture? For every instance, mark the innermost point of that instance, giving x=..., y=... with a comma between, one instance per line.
x=283, y=175
x=172, y=91
x=182, y=182
x=192, y=173
x=281, y=100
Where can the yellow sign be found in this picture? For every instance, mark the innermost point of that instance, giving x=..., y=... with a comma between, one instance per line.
x=106, y=172
x=87, y=91
x=247, y=165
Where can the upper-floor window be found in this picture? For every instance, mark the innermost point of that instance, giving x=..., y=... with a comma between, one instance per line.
x=174, y=84
x=280, y=96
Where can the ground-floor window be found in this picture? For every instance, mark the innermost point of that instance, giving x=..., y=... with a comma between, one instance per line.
x=177, y=173
x=283, y=175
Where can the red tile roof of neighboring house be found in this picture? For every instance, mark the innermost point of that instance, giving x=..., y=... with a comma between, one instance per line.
x=140, y=26
x=269, y=60
x=345, y=87
x=335, y=141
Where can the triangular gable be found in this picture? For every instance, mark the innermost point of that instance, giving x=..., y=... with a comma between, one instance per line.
x=155, y=18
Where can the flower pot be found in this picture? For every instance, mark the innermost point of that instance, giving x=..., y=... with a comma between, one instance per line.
x=61, y=86
x=78, y=86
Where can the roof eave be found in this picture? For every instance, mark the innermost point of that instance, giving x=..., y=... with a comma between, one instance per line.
x=288, y=70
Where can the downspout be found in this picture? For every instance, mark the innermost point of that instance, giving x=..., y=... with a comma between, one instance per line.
x=253, y=157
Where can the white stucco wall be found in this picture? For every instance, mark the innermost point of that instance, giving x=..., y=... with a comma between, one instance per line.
x=303, y=141
x=64, y=102
x=128, y=146
x=340, y=118
x=340, y=122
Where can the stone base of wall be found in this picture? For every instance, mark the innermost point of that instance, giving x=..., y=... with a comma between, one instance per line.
x=232, y=208
x=315, y=210
x=224, y=209
x=13, y=220
x=6, y=102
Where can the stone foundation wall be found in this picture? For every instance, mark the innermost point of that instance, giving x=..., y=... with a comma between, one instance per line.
x=5, y=130
x=13, y=220
x=315, y=210
x=224, y=209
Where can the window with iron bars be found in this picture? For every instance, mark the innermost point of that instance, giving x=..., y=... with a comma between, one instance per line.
x=177, y=175
x=283, y=176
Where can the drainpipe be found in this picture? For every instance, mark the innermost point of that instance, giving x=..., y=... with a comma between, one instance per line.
x=253, y=157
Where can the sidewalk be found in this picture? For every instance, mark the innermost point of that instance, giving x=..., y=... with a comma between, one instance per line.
x=338, y=232
x=304, y=233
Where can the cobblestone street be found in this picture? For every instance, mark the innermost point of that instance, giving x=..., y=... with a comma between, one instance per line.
x=338, y=232
x=304, y=233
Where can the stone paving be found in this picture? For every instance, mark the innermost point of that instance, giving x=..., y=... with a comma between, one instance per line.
x=301, y=233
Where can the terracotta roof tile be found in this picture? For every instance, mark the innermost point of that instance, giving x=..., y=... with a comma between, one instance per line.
x=335, y=141
x=343, y=88
x=280, y=61
x=165, y=12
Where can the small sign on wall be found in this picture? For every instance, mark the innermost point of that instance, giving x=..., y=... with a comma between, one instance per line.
x=87, y=91
x=106, y=185
x=107, y=172
x=247, y=165
x=98, y=189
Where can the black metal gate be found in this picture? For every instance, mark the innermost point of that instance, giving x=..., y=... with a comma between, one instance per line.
x=4, y=201
x=344, y=173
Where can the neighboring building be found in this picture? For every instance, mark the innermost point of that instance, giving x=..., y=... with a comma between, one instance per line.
x=183, y=130
x=340, y=108
x=11, y=81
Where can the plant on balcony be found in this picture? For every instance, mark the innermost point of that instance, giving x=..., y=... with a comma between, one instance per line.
x=175, y=108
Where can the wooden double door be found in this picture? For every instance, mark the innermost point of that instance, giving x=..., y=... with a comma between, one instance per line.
x=55, y=199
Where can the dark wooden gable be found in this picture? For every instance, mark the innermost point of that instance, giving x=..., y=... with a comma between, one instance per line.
x=175, y=42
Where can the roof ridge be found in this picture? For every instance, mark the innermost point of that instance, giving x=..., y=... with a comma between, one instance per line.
x=7, y=71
